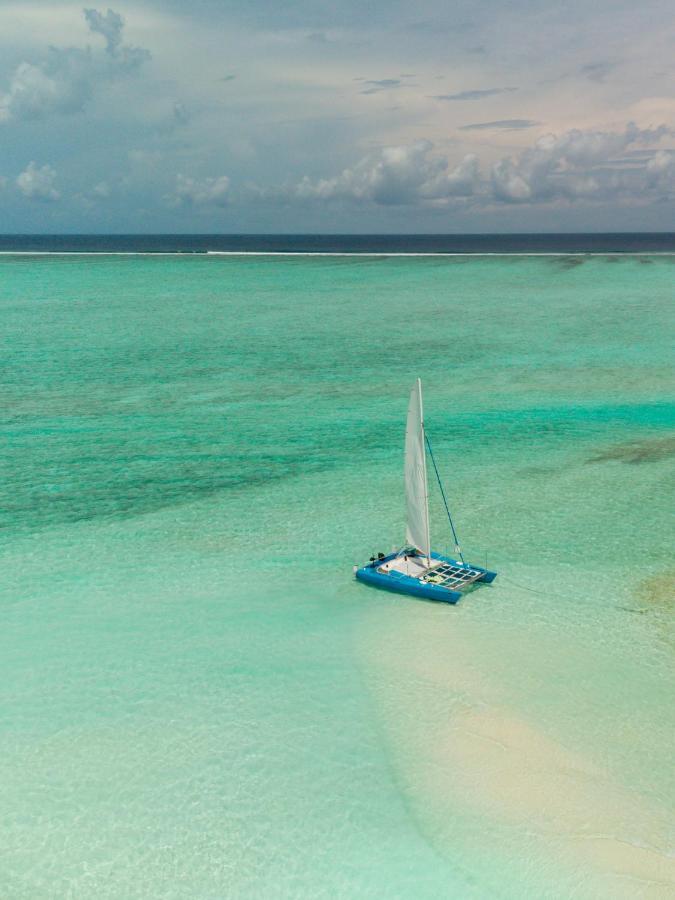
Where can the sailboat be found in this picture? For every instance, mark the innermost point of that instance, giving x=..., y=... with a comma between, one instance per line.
x=416, y=569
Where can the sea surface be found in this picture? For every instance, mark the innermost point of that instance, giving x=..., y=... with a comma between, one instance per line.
x=199, y=701
x=388, y=244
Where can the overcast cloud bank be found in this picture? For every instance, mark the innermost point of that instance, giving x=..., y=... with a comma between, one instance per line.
x=167, y=118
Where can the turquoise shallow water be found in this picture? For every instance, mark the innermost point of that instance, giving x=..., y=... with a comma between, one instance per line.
x=199, y=701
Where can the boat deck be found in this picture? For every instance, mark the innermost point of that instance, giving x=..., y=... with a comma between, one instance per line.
x=439, y=578
x=452, y=576
x=444, y=574
x=414, y=566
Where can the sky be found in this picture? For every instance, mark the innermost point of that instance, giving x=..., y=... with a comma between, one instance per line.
x=258, y=116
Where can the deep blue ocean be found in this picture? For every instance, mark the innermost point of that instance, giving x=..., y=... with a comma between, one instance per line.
x=658, y=242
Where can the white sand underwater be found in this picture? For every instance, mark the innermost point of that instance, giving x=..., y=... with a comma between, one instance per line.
x=473, y=761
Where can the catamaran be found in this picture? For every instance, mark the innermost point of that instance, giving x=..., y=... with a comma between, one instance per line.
x=415, y=569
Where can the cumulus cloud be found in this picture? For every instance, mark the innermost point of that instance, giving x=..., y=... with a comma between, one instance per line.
x=64, y=81
x=101, y=190
x=201, y=192
x=61, y=84
x=583, y=165
x=575, y=165
x=37, y=183
x=508, y=183
x=660, y=170
x=109, y=26
x=395, y=176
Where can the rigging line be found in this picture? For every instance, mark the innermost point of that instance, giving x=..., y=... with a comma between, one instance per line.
x=445, y=502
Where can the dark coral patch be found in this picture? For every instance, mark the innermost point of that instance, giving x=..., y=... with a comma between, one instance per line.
x=637, y=452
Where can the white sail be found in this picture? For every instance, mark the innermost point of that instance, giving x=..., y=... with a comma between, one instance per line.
x=416, y=493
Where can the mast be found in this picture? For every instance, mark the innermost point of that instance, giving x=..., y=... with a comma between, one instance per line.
x=416, y=489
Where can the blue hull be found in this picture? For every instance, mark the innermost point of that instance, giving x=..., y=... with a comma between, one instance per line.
x=405, y=584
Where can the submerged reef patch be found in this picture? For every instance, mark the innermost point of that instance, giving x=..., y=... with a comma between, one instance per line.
x=634, y=452
x=658, y=591
x=568, y=262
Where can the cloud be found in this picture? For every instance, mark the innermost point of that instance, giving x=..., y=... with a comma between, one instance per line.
x=576, y=166
x=660, y=170
x=395, y=176
x=505, y=124
x=109, y=25
x=181, y=116
x=580, y=165
x=38, y=183
x=101, y=190
x=144, y=160
x=382, y=84
x=60, y=84
x=65, y=80
x=201, y=192
x=475, y=95
x=597, y=71
x=509, y=183
x=436, y=27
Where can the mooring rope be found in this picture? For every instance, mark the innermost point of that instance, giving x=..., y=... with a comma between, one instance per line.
x=525, y=587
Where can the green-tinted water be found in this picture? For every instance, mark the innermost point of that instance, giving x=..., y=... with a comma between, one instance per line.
x=199, y=701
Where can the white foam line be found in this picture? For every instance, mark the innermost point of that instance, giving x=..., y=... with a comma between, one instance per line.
x=441, y=253
x=191, y=254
